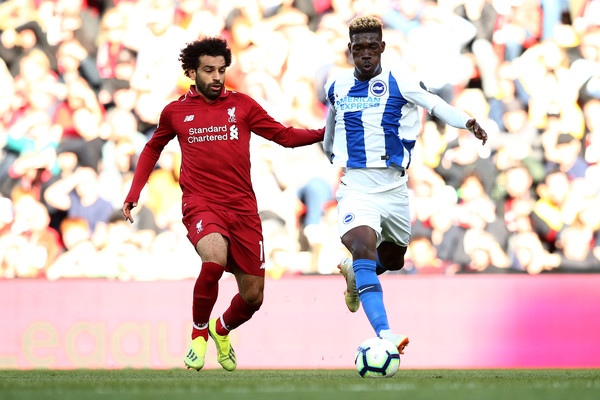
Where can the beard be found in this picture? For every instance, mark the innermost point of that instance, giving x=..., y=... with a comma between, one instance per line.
x=206, y=91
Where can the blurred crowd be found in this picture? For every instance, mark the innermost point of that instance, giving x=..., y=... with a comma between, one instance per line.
x=83, y=82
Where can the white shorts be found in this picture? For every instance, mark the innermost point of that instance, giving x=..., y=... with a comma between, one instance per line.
x=387, y=213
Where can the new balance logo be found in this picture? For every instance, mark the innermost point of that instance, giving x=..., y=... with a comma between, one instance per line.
x=188, y=118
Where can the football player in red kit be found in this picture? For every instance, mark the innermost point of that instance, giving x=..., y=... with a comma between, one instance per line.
x=213, y=125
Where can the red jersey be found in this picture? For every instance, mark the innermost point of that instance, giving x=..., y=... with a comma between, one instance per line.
x=215, y=147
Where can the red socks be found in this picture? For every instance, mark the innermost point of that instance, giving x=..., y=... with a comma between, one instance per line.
x=206, y=291
x=238, y=312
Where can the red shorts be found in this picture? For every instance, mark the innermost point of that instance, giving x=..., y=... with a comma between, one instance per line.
x=246, y=249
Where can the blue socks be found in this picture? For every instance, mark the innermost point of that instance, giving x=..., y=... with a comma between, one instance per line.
x=370, y=293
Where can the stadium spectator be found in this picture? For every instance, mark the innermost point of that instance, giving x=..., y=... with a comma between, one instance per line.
x=79, y=195
x=156, y=42
x=171, y=247
x=73, y=19
x=75, y=63
x=80, y=115
x=519, y=27
x=510, y=89
x=30, y=246
x=483, y=16
x=36, y=85
x=529, y=255
x=16, y=12
x=476, y=210
x=31, y=151
x=485, y=254
x=584, y=71
x=199, y=18
x=516, y=197
x=164, y=191
x=111, y=36
x=404, y=16
x=461, y=157
x=544, y=71
x=448, y=236
x=16, y=42
x=591, y=111
x=547, y=216
x=565, y=155
x=6, y=96
x=79, y=96
x=575, y=248
x=428, y=193
x=520, y=139
x=444, y=34
x=122, y=146
x=422, y=258
x=474, y=102
x=81, y=257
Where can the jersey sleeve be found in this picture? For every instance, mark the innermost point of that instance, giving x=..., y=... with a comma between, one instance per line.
x=264, y=125
x=149, y=156
x=451, y=115
x=417, y=93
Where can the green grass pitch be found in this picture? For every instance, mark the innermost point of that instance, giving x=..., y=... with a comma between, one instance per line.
x=486, y=384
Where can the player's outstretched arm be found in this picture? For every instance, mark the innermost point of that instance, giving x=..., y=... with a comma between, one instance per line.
x=477, y=130
x=262, y=124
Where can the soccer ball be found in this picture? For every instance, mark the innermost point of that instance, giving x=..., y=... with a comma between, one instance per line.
x=377, y=358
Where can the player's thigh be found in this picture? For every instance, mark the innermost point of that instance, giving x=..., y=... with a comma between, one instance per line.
x=208, y=234
x=213, y=248
x=356, y=209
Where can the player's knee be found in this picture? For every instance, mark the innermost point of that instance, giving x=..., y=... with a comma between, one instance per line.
x=359, y=249
x=253, y=297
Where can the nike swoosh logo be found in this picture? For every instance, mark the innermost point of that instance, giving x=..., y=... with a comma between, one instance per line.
x=365, y=288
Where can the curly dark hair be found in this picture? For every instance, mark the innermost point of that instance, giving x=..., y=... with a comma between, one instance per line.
x=208, y=46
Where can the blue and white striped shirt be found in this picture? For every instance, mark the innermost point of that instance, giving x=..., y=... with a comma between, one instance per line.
x=377, y=122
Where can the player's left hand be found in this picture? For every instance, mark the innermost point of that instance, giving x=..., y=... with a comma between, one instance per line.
x=477, y=130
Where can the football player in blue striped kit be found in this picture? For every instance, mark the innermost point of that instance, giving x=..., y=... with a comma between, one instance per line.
x=372, y=126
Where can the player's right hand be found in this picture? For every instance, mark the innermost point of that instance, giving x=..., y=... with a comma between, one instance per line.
x=126, y=210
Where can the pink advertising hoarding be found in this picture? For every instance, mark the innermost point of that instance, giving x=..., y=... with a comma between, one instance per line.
x=453, y=322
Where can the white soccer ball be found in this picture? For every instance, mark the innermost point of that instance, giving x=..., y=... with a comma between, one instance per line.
x=377, y=358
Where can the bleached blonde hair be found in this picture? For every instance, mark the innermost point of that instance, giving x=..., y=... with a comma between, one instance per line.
x=365, y=24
